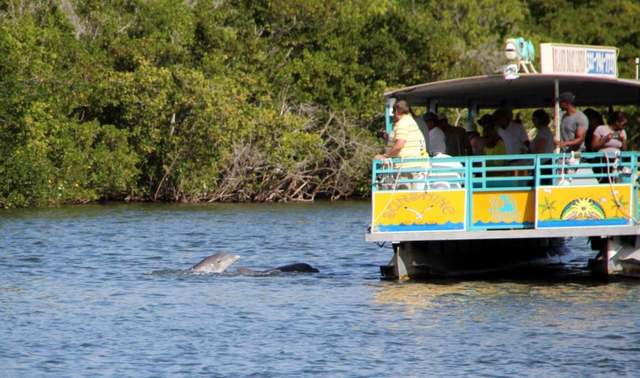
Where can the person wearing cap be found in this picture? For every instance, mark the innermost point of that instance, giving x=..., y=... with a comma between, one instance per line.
x=516, y=140
x=436, y=135
x=455, y=138
x=573, y=126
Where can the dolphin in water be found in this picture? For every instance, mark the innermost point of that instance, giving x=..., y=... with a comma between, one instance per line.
x=296, y=268
x=221, y=261
x=217, y=263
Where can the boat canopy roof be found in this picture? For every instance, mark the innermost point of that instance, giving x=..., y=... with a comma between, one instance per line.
x=527, y=91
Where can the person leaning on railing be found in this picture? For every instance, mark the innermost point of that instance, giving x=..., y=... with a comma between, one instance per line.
x=609, y=139
x=407, y=140
x=573, y=126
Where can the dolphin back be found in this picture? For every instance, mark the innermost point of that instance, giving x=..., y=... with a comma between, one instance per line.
x=296, y=268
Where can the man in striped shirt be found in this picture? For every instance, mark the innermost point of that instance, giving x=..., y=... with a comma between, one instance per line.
x=407, y=139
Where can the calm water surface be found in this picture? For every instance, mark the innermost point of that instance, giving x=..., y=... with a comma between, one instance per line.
x=101, y=291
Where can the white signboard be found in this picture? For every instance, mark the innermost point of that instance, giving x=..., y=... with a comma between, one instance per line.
x=578, y=60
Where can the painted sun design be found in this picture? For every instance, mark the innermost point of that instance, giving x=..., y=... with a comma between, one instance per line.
x=582, y=209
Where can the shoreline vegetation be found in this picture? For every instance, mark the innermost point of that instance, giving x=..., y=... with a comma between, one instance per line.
x=237, y=101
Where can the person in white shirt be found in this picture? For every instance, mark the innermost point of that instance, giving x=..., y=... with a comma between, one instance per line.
x=437, y=143
x=611, y=138
x=516, y=140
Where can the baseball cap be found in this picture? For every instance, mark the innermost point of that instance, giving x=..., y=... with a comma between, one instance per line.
x=567, y=96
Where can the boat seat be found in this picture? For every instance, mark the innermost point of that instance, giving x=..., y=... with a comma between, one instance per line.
x=588, y=178
x=445, y=175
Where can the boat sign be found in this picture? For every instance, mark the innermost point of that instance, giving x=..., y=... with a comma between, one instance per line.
x=579, y=60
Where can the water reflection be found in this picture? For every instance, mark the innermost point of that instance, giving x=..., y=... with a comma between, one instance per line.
x=426, y=295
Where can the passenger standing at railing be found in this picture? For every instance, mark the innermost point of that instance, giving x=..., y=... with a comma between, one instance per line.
x=611, y=139
x=407, y=143
x=543, y=141
x=573, y=126
x=516, y=140
x=407, y=140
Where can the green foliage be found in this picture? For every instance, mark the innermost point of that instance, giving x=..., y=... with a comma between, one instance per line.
x=239, y=100
x=610, y=23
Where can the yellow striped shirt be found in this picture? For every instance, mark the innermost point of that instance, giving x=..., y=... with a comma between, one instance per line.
x=407, y=129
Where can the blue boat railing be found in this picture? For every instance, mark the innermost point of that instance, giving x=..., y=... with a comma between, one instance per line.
x=506, y=173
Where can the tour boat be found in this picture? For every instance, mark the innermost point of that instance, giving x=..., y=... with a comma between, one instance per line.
x=450, y=216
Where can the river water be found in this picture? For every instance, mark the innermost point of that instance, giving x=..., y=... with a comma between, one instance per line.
x=102, y=291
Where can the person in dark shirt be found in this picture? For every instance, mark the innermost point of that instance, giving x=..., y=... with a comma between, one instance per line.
x=595, y=120
x=455, y=138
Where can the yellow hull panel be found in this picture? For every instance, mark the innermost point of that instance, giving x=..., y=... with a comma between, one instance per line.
x=503, y=208
x=419, y=211
x=584, y=206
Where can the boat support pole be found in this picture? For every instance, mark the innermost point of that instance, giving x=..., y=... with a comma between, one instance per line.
x=556, y=113
x=605, y=258
x=399, y=256
x=388, y=115
x=472, y=112
x=433, y=106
